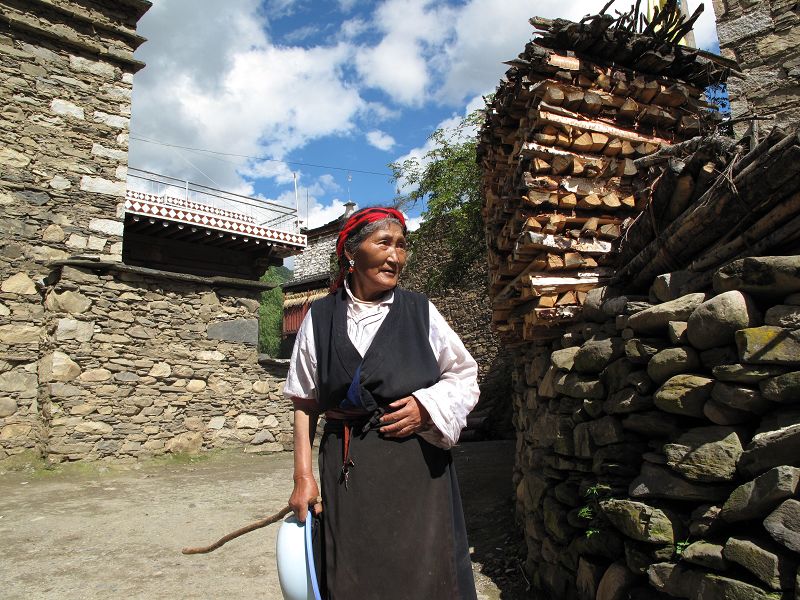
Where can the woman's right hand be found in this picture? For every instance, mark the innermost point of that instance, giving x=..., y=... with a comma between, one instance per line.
x=305, y=494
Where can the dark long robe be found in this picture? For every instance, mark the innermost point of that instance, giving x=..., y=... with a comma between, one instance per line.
x=395, y=530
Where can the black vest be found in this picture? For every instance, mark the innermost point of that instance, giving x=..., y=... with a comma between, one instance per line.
x=398, y=362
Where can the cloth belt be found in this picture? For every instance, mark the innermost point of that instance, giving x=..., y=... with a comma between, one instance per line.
x=362, y=426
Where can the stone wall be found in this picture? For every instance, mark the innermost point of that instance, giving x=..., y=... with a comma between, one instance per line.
x=659, y=442
x=137, y=366
x=468, y=311
x=316, y=258
x=763, y=36
x=67, y=70
x=109, y=361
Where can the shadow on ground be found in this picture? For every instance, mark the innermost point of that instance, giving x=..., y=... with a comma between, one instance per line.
x=484, y=473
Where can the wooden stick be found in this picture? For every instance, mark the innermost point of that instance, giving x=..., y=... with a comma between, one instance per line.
x=246, y=529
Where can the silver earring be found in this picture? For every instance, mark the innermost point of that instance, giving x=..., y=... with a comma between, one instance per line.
x=352, y=266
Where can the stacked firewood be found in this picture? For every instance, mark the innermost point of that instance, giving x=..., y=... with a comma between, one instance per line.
x=559, y=152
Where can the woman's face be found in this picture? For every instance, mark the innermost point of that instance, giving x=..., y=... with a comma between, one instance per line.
x=378, y=262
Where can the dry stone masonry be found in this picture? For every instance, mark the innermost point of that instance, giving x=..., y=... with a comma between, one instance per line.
x=66, y=87
x=762, y=37
x=138, y=366
x=98, y=359
x=658, y=427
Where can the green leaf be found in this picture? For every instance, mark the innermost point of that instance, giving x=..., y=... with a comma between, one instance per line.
x=448, y=180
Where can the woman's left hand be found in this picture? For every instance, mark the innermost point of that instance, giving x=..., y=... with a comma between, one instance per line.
x=408, y=416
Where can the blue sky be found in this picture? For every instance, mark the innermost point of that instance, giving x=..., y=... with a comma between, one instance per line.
x=350, y=84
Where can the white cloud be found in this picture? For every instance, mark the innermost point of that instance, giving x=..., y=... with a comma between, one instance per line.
x=281, y=8
x=380, y=140
x=353, y=28
x=413, y=223
x=396, y=66
x=413, y=31
x=346, y=5
x=705, y=30
x=300, y=34
x=328, y=183
x=233, y=90
x=319, y=214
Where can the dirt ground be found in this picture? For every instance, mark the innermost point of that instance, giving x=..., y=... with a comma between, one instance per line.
x=95, y=532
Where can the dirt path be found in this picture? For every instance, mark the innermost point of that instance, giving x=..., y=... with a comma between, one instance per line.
x=118, y=534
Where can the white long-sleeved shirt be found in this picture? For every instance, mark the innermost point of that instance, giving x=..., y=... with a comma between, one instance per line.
x=448, y=401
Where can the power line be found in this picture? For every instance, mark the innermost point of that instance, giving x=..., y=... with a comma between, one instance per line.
x=286, y=162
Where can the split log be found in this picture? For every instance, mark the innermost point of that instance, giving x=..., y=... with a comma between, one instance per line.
x=546, y=139
x=681, y=196
x=629, y=110
x=555, y=262
x=599, y=141
x=592, y=103
x=580, y=122
x=613, y=147
x=553, y=95
x=590, y=202
x=643, y=90
x=589, y=228
x=532, y=224
x=568, y=201
x=573, y=260
x=584, y=143
x=560, y=244
x=573, y=99
x=610, y=231
x=540, y=165
x=569, y=298
x=547, y=301
x=610, y=201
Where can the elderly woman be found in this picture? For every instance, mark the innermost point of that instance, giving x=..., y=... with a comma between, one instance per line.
x=395, y=385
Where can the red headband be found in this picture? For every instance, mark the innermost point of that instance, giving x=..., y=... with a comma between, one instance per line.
x=356, y=221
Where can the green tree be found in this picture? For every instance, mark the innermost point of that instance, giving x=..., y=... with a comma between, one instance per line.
x=270, y=314
x=448, y=180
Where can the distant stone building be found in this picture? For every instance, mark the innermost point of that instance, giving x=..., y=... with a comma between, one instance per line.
x=312, y=276
x=127, y=319
x=763, y=37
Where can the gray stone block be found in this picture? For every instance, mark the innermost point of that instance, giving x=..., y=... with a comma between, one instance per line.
x=756, y=498
x=769, y=345
x=656, y=319
x=716, y=320
x=783, y=524
x=239, y=330
x=766, y=276
x=705, y=454
x=672, y=361
x=783, y=388
x=770, y=449
x=659, y=482
x=684, y=395
x=776, y=569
